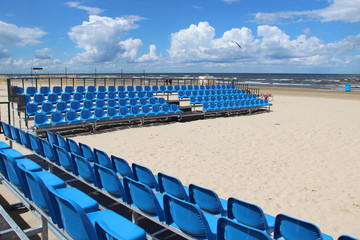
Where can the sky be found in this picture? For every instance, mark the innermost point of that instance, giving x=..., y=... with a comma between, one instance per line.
x=190, y=36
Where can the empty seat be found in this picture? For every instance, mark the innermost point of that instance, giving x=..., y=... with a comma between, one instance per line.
x=287, y=227
x=53, y=98
x=147, y=88
x=135, y=111
x=189, y=218
x=111, y=89
x=57, y=90
x=112, y=103
x=112, y=113
x=69, y=90
x=45, y=90
x=31, y=91
x=102, y=89
x=103, y=159
x=100, y=104
x=138, y=88
x=49, y=151
x=87, y=152
x=109, y=181
x=90, y=96
x=124, y=112
x=85, y=169
x=41, y=120
x=141, y=195
x=99, y=114
x=47, y=108
x=75, y=106
x=207, y=200
x=228, y=230
x=86, y=115
x=130, y=88
x=250, y=215
x=62, y=107
x=121, y=89
x=65, y=159
x=101, y=95
x=57, y=118
x=91, y=89
x=35, y=144
x=80, y=89
x=66, y=97
x=25, y=140
x=51, y=137
x=32, y=109
x=155, y=89
x=39, y=98
x=63, y=142
x=78, y=97
x=146, y=110
x=173, y=186
x=122, y=167
x=88, y=104
x=144, y=175
x=73, y=147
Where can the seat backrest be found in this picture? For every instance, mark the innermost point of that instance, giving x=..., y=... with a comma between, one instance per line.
x=56, y=117
x=47, y=108
x=86, y=114
x=147, y=88
x=138, y=88
x=145, y=175
x=31, y=91
x=53, y=98
x=187, y=216
x=206, y=199
x=71, y=116
x=103, y=159
x=102, y=89
x=57, y=90
x=80, y=89
x=130, y=88
x=145, y=109
x=112, y=112
x=15, y=134
x=247, y=214
x=143, y=197
x=111, y=88
x=49, y=151
x=121, y=89
x=122, y=166
x=78, y=96
x=124, y=111
x=36, y=144
x=69, y=89
x=75, y=105
x=66, y=97
x=110, y=181
x=100, y=103
x=45, y=90
x=40, y=118
x=346, y=237
x=74, y=218
x=90, y=96
x=73, y=146
x=31, y=109
x=24, y=137
x=99, y=113
x=91, y=89
x=39, y=98
x=85, y=169
x=227, y=229
x=291, y=228
x=61, y=106
x=62, y=142
x=87, y=152
x=88, y=104
x=6, y=129
x=65, y=159
x=51, y=137
x=172, y=185
x=101, y=95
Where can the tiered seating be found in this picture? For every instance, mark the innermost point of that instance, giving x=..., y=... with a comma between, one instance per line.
x=94, y=104
x=158, y=197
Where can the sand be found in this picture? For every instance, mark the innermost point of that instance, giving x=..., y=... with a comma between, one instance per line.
x=300, y=159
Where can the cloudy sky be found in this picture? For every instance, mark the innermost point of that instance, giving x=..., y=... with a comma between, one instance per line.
x=297, y=36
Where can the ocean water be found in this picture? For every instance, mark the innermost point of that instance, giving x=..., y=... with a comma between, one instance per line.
x=319, y=81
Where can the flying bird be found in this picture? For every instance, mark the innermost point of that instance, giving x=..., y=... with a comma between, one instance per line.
x=236, y=43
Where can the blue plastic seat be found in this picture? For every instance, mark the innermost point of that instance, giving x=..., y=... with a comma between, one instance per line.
x=147, y=88
x=175, y=108
x=15, y=134
x=53, y=98
x=100, y=104
x=145, y=175
x=6, y=129
x=99, y=114
x=189, y=218
x=135, y=111
x=91, y=89
x=144, y=198
x=45, y=90
x=112, y=95
x=124, y=112
x=47, y=108
x=163, y=89
x=173, y=186
x=131, y=95
x=111, y=103
x=103, y=159
x=287, y=227
x=86, y=115
x=72, y=117
x=57, y=90
x=122, y=102
x=81, y=89
x=152, y=101
x=111, y=89
x=66, y=97
x=62, y=142
x=36, y=183
x=109, y=181
x=105, y=231
x=66, y=160
x=81, y=224
x=183, y=88
x=122, y=167
x=101, y=96
x=121, y=89
x=87, y=152
x=85, y=169
x=190, y=87
x=207, y=200
x=122, y=95
x=149, y=94
x=69, y=89
x=62, y=107
x=31, y=91
x=138, y=88
x=57, y=118
x=75, y=106
x=90, y=96
x=25, y=141
x=130, y=88
x=102, y=89
x=88, y=104
x=35, y=144
x=141, y=95
x=250, y=215
x=49, y=151
x=51, y=137
x=156, y=110
x=41, y=120
x=32, y=109
x=73, y=147
x=112, y=113
x=155, y=89
x=146, y=110
x=166, y=109
x=78, y=97
x=39, y=98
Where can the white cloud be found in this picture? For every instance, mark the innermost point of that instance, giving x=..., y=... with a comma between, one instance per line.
x=197, y=44
x=12, y=35
x=89, y=10
x=338, y=10
x=43, y=53
x=151, y=56
x=100, y=38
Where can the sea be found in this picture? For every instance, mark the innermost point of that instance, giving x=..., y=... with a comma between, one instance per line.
x=330, y=82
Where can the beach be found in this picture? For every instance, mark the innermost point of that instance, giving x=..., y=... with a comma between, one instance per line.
x=300, y=159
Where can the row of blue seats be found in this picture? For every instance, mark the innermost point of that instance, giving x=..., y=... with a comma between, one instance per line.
x=48, y=108
x=224, y=98
x=240, y=104
x=31, y=90
x=68, y=207
x=97, y=161
x=209, y=93
x=86, y=115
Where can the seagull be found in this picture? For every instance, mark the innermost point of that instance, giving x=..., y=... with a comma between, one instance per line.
x=236, y=43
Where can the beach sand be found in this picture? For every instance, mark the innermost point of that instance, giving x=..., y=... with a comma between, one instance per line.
x=300, y=159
